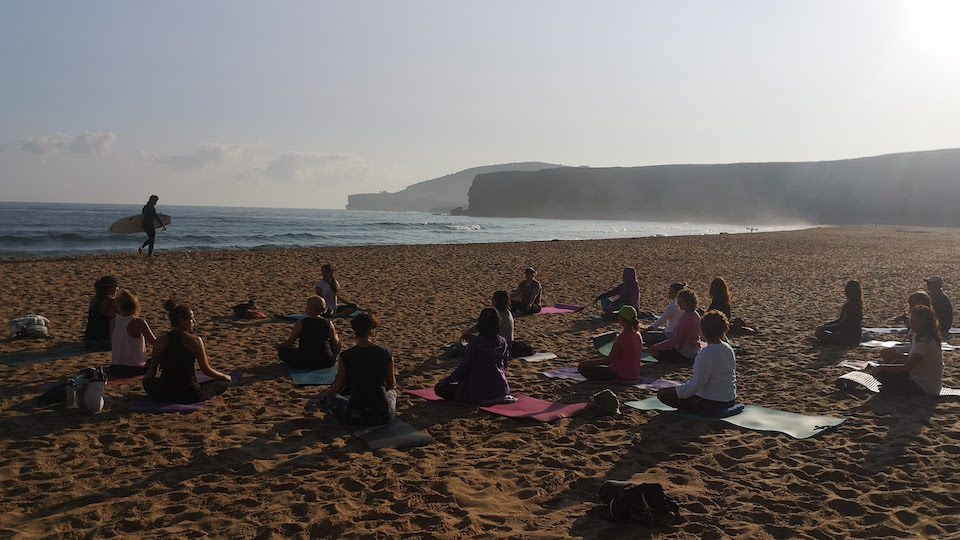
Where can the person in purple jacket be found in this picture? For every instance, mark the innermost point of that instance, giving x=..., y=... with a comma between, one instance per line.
x=481, y=377
x=624, y=294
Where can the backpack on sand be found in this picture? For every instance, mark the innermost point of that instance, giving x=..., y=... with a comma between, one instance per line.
x=645, y=504
x=30, y=327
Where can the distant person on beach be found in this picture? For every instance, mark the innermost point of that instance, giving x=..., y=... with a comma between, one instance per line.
x=918, y=298
x=941, y=304
x=129, y=335
x=714, y=382
x=100, y=311
x=365, y=392
x=920, y=370
x=172, y=377
x=150, y=221
x=329, y=289
x=720, y=301
x=848, y=329
x=526, y=298
x=501, y=302
x=481, y=376
x=319, y=343
x=668, y=319
x=623, y=364
x=626, y=293
x=684, y=344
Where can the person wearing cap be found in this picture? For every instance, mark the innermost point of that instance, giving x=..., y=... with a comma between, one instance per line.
x=100, y=311
x=714, y=382
x=526, y=297
x=623, y=364
x=941, y=304
x=626, y=293
x=150, y=221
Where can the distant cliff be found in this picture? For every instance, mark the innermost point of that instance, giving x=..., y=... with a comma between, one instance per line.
x=919, y=188
x=436, y=195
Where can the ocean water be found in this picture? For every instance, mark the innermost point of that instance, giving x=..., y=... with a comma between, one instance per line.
x=53, y=230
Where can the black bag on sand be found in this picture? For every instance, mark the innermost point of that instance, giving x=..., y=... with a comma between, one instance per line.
x=645, y=504
x=519, y=349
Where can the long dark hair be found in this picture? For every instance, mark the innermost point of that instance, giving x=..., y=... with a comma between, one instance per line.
x=928, y=327
x=332, y=281
x=488, y=324
x=501, y=301
x=719, y=291
x=853, y=292
x=176, y=311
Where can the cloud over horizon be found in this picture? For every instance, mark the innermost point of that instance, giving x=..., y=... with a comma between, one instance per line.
x=88, y=142
x=203, y=156
x=306, y=167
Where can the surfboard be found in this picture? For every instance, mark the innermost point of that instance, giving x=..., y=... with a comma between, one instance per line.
x=134, y=224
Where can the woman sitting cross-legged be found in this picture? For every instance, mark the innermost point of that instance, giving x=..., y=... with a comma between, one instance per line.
x=624, y=361
x=318, y=345
x=481, y=377
x=172, y=376
x=129, y=335
x=684, y=344
x=714, y=382
x=846, y=330
x=919, y=371
x=366, y=372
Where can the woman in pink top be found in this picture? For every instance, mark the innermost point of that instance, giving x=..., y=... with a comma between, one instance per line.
x=624, y=361
x=684, y=344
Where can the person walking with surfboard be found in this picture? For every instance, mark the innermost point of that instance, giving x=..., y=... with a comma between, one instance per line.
x=150, y=221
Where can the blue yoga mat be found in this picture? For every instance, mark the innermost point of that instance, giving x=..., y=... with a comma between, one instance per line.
x=795, y=425
x=309, y=377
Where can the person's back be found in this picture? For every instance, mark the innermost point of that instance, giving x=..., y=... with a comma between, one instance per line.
x=481, y=375
x=626, y=366
x=98, y=323
x=177, y=362
x=718, y=363
x=506, y=325
x=127, y=350
x=314, y=342
x=928, y=374
x=367, y=369
x=943, y=309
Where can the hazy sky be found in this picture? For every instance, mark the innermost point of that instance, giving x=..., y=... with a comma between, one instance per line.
x=287, y=103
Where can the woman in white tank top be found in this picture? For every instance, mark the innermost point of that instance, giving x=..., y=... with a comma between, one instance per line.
x=129, y=334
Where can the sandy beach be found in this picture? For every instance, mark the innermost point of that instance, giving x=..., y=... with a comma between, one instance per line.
x=263, y=461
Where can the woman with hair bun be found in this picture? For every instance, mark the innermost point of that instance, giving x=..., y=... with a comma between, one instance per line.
x=172, y=376
x=129, y=333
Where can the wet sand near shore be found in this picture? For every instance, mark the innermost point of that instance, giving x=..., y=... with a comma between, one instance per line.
x=263, y=461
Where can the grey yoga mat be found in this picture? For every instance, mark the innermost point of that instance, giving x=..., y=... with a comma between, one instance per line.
x=394, y=434
x=859, y=379
x=795, y=425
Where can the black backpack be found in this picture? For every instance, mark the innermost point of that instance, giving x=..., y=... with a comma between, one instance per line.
x=520, y=348
x=645, y=504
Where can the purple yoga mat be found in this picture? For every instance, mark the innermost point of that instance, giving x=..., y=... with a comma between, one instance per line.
x=559, y=309
x=147, y=405
x=526, y=407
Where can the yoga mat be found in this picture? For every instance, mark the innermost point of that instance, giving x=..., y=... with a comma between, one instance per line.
x=573, y=374
x=897, y=330
x=525, y=407
x=394, y=434
x=875, y=344
x=603, y=343
x=312, y=377
x=858, y=364
x=797, y=426
x=292, y=316
x=346, y=315
x=859, y=379
x=538, y=357
x=145, y=404
x=559, y=309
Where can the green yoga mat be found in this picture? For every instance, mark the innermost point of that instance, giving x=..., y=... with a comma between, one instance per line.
x=604, y=344
x=312, y=377
x=795, y=425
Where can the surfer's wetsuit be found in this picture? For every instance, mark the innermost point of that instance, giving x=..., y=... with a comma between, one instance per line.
x=150, y=221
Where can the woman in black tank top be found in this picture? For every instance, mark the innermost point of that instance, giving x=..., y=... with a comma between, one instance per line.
x=172, y=376
x=319, y=343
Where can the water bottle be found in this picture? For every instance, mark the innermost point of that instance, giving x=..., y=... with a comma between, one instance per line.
x=73, y=397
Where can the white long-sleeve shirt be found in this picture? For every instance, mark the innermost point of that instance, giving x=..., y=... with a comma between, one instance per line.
x=671, y=314
x=714, y=374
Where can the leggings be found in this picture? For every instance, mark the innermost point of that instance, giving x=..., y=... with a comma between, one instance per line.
x=194, y=393
x=898, y=383
x=370, y=416
x=836, y=337
x=673, y=355
x=652, y=337
x=291, y=357
x=694, y=403
x=118, y=370
x=597, y=373
x=151, y=238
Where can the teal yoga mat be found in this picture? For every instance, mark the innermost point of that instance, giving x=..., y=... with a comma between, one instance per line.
x=795, y=425
x=603, y=343
x=308, y=377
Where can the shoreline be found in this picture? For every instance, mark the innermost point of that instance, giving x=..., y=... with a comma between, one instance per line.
x=262, y=460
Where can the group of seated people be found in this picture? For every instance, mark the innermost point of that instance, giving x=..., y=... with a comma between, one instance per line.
x=364, y=391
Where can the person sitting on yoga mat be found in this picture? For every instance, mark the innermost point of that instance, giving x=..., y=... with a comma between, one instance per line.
x=918, y=298
x=329, y=289
x=720, y=301
x=626, y=293
x=102, y=308
x=848, y=329
x=623, y=364
x=941, y=303
x=501, y=302
x=684, y=344
x=525, y=299
x=481, y=376
x=129, y=334
x=172, y=377
x=919, y=371
x=319, y=343
x=365, y=391
x=671, y=314
x=714, y=382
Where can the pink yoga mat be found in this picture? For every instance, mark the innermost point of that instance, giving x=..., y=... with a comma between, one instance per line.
x=559, y=309
x=149, y=406
x=526, y=407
